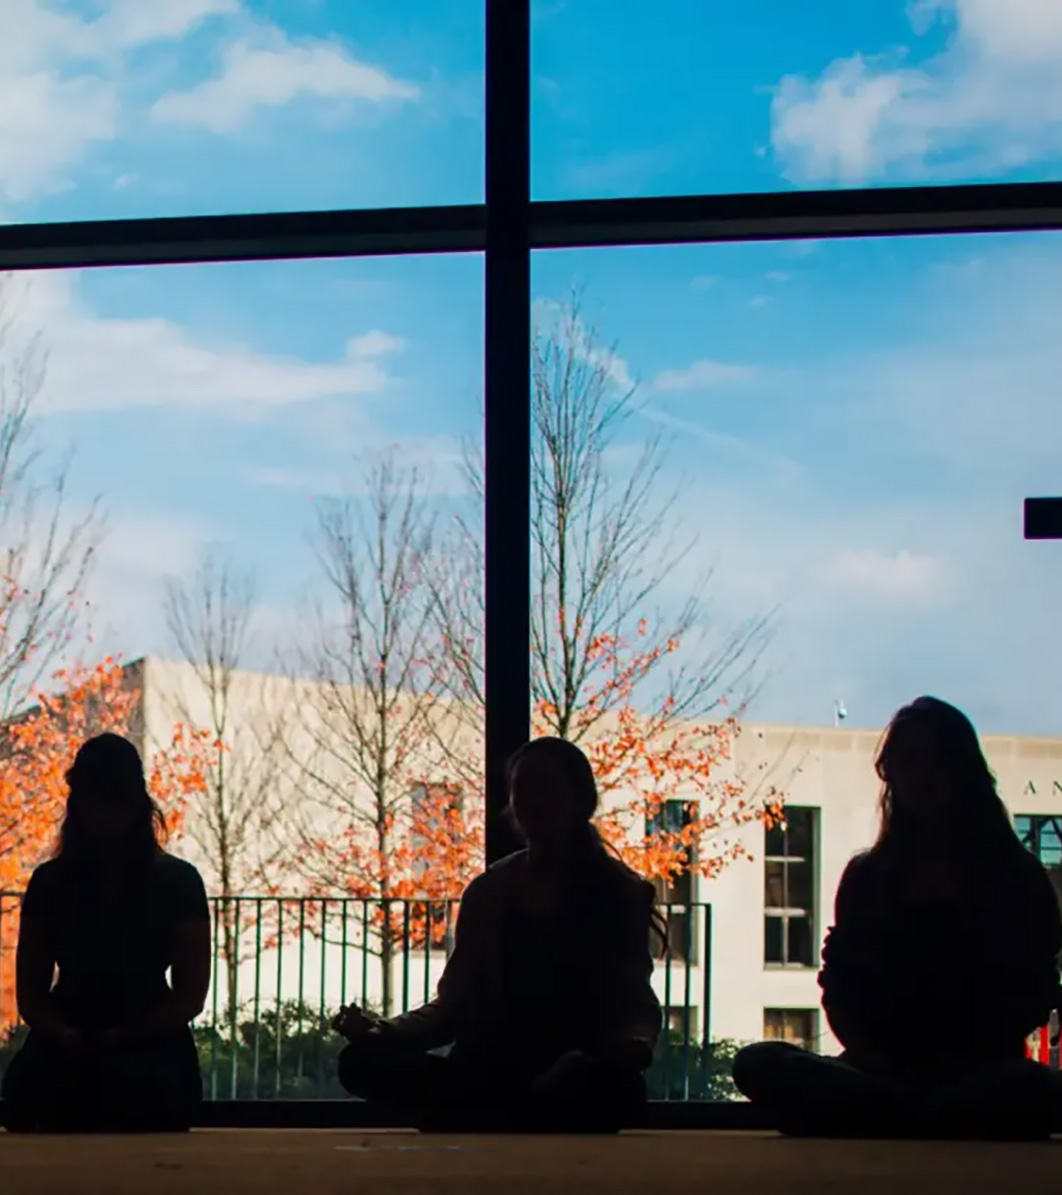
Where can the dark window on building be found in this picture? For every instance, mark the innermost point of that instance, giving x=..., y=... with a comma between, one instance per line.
x=1042, y=834
x=682, y=1023
x=675, y=896
x=798, y=1026
x=789, y=890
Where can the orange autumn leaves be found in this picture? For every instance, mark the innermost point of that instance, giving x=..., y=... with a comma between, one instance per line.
x=644, y=758
x=434, y=846
x=645, y=754
x=36, y=750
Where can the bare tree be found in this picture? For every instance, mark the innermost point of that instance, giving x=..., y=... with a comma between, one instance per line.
x=603, y=633
x=601, y=546
x=46, y=549
x=46, y=546
x=362, y=746
x=234, y=821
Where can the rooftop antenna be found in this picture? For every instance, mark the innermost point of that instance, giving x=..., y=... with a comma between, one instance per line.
x=839, y=712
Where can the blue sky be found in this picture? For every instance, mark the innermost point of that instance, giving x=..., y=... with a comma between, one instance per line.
x=855, y=423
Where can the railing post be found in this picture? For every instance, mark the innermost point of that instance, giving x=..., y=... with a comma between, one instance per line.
x=706, y=996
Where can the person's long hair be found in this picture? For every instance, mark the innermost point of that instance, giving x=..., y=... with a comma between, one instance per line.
x=108, y=770
x=591, y=849
x=974, y=822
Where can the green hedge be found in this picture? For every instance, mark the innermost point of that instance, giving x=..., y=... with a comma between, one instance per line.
x=299, y=1062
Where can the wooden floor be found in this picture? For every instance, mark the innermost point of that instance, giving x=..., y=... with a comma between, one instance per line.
x=281, y=1162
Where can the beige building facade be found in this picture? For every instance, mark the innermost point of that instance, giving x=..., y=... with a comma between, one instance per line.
x=769, y=913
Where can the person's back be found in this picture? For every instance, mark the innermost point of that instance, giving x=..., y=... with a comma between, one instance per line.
x=537, y=982
x=109, y=1045
x=942, y=979
x=546, y=1000
x=113, y=934
x=943, y=957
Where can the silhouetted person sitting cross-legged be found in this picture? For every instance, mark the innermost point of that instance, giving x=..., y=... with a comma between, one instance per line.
x=943, y=958
x=546, y=999
x=109, y=1046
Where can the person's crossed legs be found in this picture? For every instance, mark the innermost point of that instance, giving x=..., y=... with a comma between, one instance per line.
x=1012, y=1100
x=440, y=1094
x=812, y=1095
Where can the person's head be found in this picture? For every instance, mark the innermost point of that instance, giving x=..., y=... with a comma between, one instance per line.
x=552, y=793
x=935, y=778
x=109, y=811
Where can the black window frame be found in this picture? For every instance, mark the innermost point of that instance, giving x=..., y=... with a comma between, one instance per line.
x=786, y=912
x=677, y=896
x=506, y=228
x=1030, y=829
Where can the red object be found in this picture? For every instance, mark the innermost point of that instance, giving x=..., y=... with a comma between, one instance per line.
x=1044, y=1041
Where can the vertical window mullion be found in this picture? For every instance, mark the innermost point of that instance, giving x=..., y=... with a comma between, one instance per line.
x=507, y=404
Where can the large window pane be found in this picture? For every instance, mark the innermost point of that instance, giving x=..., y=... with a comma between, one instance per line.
x=264, y=470
x=684, y=97
x=848, y=430
x=835, y=438
x=118, y=109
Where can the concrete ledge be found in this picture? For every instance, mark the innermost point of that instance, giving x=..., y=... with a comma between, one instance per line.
x=338, y=1114
x=353, y=1114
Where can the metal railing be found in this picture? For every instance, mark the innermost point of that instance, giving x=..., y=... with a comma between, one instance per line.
x=282, y=966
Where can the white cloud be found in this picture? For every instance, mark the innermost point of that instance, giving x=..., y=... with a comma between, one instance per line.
x=61, y=77
x=896, y=576
x=155, y=545
x=280, y=477
x=273, y=75
x=893, y=551
x=134, y=22
x=139, y=552
x=704, y=375
x=991, y=99
x=375, y=344
x=728, y=450
x=97, y=363
x=437, y=460
x=704, y=281
x=46, y=123
x=71, y=81
x=558, y=323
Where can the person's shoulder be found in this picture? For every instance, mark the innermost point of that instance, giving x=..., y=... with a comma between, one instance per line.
x=46, y=875
x=46, y=870
x=859, y=881
x=176, y=870
x=491, y=884
x=501, y=872
x=626, y=880
x=45, y=889
x=861, y=866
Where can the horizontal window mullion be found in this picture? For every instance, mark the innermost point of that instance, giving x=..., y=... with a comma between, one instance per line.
x=255, y=237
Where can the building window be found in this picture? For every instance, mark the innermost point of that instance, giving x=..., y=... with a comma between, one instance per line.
x=798, y=1026
x=789, y=890
x=1042, y=834
x=675, y=896
x=682, y=1023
